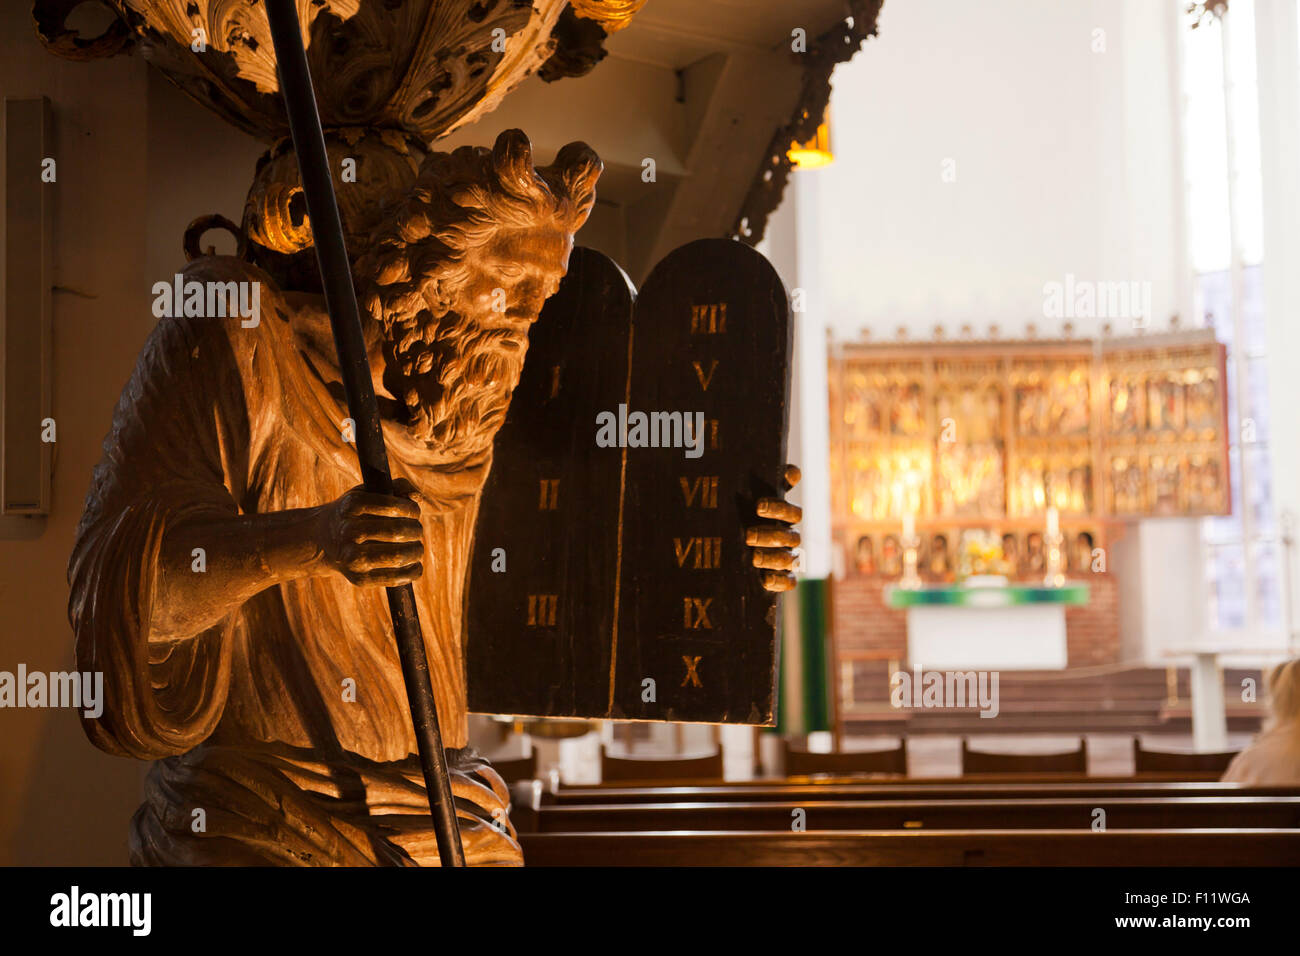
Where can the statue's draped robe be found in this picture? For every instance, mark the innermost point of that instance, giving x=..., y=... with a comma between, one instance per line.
x=249, y=720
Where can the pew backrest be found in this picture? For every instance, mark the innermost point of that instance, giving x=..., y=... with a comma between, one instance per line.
x=515, y=769
x=1046, y=814
x=979, y=761
x=892, y=761
x=1148, y=761
x=841, y=789
x=1204, y=847
x=707, y=767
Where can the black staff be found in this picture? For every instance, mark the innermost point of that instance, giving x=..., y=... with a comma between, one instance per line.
x=345, y=320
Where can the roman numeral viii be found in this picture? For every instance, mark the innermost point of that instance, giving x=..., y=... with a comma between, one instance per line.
x=707, y=551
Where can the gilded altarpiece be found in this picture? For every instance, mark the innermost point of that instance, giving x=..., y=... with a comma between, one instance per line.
x=981, y=438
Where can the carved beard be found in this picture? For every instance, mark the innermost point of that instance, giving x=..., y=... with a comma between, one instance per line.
x=455, y=377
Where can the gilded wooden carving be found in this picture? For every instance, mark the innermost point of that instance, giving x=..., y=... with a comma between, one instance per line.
x=612, y=15
x=425, y=66
x=228, y=570
x=220, y=595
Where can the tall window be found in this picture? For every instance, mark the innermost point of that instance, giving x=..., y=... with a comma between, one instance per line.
x=1225, y=233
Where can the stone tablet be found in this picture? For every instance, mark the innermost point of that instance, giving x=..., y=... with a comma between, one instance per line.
x=610, y=577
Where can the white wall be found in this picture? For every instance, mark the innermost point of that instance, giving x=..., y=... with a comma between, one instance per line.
x=1279, y=94
x=1065, y=162
x=793, y=245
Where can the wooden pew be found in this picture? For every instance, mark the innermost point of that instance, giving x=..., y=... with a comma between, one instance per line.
x=1158, y=760
x=807, y=792
x=1014, y=822
x=1021, y=814
x=892, y=761
x=515, y=769
x=707, y=767
x=1201, y=847
x=984, y=762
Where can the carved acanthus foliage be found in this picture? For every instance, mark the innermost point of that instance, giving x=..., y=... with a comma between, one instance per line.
x=236, y=28
x=579, y=46
x=612, y=15
x=826, y=52
x=51, y=16
x=422, y=66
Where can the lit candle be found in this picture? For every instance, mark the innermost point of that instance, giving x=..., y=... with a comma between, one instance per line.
x=909, y=526
x=1053, y=522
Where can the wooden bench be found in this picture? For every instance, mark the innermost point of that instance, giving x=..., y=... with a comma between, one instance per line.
x=707, y=767
x=810, y=792
x=514, y=769
x=982, y=762
x=893, y=761
x=1125, y=813
x=1146, y=761
x=1201, y=847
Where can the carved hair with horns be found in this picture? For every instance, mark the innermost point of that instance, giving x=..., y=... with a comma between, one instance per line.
x=453, y=374
x=458, y=203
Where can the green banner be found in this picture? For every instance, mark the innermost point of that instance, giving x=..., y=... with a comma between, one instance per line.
x=805, y=704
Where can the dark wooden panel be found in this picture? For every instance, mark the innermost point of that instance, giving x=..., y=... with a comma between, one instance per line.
x=918, y=848
x=25, y=310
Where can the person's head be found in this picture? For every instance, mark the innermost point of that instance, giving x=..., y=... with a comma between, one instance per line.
x=461, y=270
x=1282, y=684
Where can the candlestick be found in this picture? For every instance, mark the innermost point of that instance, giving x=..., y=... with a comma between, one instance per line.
x=1055, y=576
x=911, y=546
